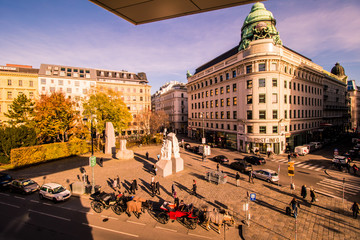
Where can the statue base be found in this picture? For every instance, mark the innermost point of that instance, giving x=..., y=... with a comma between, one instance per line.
x=178, y=164
x=125, y=154
x=164, y=168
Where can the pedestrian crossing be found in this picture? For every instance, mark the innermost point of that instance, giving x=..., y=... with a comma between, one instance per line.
x=301, y=164
x=336, y=187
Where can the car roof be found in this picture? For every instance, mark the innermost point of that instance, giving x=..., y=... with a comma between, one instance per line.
x=51, y=185
x=267, y=170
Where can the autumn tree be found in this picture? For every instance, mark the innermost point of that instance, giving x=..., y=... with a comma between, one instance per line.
x=158, y=120
x=142, y=121
x=54, y=118
x=21, y=111
x=107, y=107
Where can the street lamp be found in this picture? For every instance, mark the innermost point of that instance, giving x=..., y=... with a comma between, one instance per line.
x=203, y=137
x=92, y=159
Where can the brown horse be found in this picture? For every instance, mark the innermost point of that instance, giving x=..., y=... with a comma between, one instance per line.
x=137, y=206
x=219, y=218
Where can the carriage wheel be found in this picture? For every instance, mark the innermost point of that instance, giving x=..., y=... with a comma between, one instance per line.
x=163, y=218
x=97, y=206
x=117, y=209
x=191, y=223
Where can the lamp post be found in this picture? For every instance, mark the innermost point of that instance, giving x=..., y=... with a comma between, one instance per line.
x=203, y=137
x=92, y=159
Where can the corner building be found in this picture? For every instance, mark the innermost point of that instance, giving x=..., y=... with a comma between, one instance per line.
x=259, y=94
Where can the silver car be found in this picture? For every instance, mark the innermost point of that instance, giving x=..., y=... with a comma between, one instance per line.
x=266, y=174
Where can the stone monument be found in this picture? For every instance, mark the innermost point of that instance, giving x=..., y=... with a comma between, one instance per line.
x=166, y=162
x=123, y=153
x=110, y=139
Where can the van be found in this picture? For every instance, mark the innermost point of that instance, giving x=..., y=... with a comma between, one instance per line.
x=301, y=150
x=310, y=147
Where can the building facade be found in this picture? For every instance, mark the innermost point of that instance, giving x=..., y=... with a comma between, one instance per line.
x=15, y=80
x=259, y=94
x=354, y=105
x=172, y=99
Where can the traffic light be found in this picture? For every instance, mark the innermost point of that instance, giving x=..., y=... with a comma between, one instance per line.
x=291, y=169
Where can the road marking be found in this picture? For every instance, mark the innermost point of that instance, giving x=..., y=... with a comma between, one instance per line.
x=70, y=209
x=19, y=197
x=50, y=215
x=301, y=165
x=135, y=222
x=84, y=211
x=35, y=201
x=168, y=229
x=47, y=204
x=326, y=193
x=109, y=217
x=319, y=168
x=340, y=183
x=5, y=194
x=191, y=234
x=10, y=205
x=312, y=167
x=107, y=229
x=337, y=188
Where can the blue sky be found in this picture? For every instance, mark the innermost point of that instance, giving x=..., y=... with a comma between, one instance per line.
x=79, y=33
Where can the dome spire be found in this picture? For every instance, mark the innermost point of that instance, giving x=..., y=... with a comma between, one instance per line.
x=259, y=24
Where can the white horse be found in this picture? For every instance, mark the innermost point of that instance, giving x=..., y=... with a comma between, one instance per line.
x=218, y=218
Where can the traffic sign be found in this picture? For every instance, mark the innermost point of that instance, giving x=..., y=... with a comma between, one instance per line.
x=92, y=161
x=253, y=196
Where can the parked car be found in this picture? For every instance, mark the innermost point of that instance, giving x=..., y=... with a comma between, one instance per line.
x=216, y=176
x=266, y=174
x=221, y=159
x=23, y=186
x=5, y=180
x=54, y=192
x=255, y=160
x=241, y=166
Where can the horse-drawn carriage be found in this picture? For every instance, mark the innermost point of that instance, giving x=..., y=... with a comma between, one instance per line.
x=186, y=214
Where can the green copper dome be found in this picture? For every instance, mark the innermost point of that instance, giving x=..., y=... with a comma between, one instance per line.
x=259, y=24
x=338, y=70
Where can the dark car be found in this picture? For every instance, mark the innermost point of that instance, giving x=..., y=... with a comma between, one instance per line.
x=242, y=166
x=255, y=160
x=5, y=180
x=23, y=186
x=220, y=159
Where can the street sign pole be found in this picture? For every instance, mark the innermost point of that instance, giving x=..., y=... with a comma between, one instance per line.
x=279, y=175
x=343, y=190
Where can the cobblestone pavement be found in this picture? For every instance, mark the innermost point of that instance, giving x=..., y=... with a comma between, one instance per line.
x=328, y=218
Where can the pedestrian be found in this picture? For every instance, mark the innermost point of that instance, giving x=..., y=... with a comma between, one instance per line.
x=118, y=182
x=133, y=187
x=114, y=185
x=157, y=186
x=237, y=179
x=147, y=156
x=251, y=178
x=173, y=188
x=294, y=205
x=268, y=153
x=174, y=194
x=217, y=167
x=158, y=157
x=289, y=157
x=194, y=188
x=303, y=191
x=312, y=195
x=152, y=186
x=355, y=169
x=154, y=169
x=135, y=184
x=101, y=162
x=355, y=209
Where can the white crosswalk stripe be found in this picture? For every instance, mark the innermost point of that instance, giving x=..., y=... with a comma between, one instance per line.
x=301, y=164
x=336, y=186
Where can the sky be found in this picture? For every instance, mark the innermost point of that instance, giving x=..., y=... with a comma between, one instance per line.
x=79, y=33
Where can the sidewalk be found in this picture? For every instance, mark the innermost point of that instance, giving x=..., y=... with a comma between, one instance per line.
x=329, y=218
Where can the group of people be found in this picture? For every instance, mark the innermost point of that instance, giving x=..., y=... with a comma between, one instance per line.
x=304, y=193
x=155, y=187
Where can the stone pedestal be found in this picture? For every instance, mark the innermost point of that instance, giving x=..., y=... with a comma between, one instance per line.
x=164, y=168
x=110, y=139
x=178, y=164
x=124, y=153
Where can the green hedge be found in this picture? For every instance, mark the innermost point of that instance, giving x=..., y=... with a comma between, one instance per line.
x=42, y=153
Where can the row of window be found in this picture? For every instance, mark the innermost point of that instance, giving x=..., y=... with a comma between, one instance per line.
x=11, y=96
x=217, y=101
x=20, y=83
x=206, y=83
x=262, y=129
x=302, y=87
x=212, y=91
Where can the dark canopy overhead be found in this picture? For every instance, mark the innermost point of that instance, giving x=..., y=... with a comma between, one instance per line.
x=146, y=11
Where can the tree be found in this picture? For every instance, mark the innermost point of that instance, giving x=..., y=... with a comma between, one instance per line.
x=21, y=111
x=142, y=120
x=54, y=118
x=107, y=107
x=15, y=137
x=158, y=120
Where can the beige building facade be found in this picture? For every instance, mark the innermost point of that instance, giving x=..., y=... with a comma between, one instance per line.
x=15, y=80
x=354, y=106
x=260, y=94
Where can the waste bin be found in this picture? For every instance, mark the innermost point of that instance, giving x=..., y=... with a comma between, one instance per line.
x=88, y=189
x=97, y=188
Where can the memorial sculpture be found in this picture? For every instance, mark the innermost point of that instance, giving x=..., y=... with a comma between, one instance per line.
x=168, y=163
x=110, y=139
x=123, y=153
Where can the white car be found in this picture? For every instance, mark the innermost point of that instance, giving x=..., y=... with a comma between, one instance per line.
x=266, y=174
x=54, y=192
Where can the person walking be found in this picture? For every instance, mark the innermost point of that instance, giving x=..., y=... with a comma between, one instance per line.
x=118, y=182
x=157, y=186
x=289, y=157
x=158, y=157
x=154, y=169
x=303, y=191
x=174, y=195
x=294, y=205
x=312, y=195
x=355, y=169
x=251, y=178
x=147, y=156
x=194, y=187
x=153, y=191
x=133, y=187
x=115, y=184
x=237, y=177
x=173, y=188
x=355, y=209
x=217, y=167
